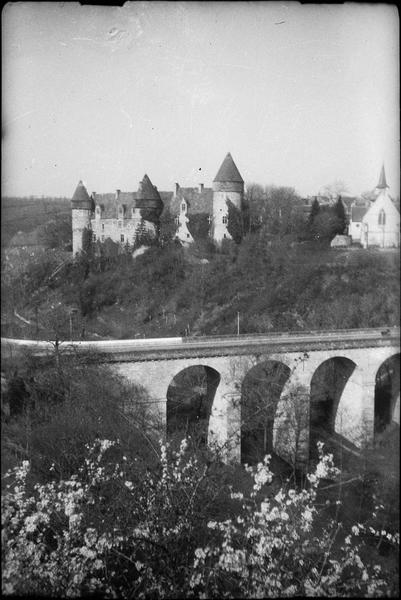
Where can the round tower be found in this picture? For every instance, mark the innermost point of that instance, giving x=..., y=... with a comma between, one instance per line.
x=227, y=185
x=150, y=204
x=81, y=207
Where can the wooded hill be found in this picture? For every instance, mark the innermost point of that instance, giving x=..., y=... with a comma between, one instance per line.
x=272, y=283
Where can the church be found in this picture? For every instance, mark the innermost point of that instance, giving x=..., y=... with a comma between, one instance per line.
x=120, y=216
x=377, y=225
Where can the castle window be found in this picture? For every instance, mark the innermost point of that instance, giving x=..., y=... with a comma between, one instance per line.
x=122, y=237
x=177, y=220
x=225, y=220
x=102, y=226
x=187, y=235
x=183, y=207
x=382, y=217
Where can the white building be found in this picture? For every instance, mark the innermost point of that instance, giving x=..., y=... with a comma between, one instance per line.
x=379, y=224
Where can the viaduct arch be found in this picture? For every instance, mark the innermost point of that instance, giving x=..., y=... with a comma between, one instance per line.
x=364, y=359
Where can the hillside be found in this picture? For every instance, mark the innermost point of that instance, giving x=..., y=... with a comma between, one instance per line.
x=269, y=284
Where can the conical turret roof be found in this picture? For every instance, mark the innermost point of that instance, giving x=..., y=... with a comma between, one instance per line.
x=147, y=190
x=382, y=185
x=81, y=197
x=228, y=171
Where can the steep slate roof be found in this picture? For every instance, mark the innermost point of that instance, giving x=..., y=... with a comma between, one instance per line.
x=109, y=204
x=198, y=202
x=357, y=213
x=146, y=190
x=166, y=198
x=81, y=197
x=382, y=180
x=140, y=199
x=228, y=171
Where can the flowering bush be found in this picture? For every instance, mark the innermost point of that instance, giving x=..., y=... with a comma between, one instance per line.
x=109, y=532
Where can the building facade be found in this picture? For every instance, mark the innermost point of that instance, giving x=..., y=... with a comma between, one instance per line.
x=376, y=225
x=121, y=216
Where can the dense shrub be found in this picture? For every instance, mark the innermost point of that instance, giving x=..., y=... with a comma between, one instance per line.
x=105, y=531
x=59, y=405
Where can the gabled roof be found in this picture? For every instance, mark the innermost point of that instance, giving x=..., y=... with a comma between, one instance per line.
x=382, y=180
x=357, y=213
x=385, y=202
x=228, y=171
x=81, y=197
x=108, y=204
x=146, y=197
x=198, y=202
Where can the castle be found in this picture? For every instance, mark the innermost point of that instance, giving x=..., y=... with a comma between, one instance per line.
x=121, y=216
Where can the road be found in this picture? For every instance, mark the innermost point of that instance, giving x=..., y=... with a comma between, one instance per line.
x=353, y=337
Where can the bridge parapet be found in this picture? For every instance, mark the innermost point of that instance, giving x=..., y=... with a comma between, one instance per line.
x=215, y=346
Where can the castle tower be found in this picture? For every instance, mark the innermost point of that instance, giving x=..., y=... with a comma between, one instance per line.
x=227, y=185
x=81, y=206
x=150, y=205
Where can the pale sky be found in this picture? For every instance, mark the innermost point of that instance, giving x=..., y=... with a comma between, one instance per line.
x=300, y=95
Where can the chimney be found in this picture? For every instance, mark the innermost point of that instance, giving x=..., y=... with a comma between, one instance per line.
x=201, y=188
x=177, y=187
x=118, y=194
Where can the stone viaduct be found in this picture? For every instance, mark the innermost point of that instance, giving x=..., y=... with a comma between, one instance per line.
x=154, y=363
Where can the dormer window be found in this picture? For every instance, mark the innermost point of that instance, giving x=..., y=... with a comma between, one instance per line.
x=122, y=209
x=382, y=217
x=183, y=207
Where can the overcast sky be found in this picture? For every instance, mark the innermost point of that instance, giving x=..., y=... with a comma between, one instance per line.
x=300, y=95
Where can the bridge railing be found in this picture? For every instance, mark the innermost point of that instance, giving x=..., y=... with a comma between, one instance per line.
x=287, y=337
x=373, y=332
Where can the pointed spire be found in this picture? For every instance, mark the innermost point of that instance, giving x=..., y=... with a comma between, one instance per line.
x=147, y=190
x=228, y=171
x=81, y=197
x=382, y=180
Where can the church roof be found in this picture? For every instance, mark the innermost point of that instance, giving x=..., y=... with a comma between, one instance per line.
x=81, y=197
x=357, y=213
x=382, y=180
x=228, y=171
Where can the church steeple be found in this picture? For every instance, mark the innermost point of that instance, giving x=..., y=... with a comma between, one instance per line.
x=382, y=185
